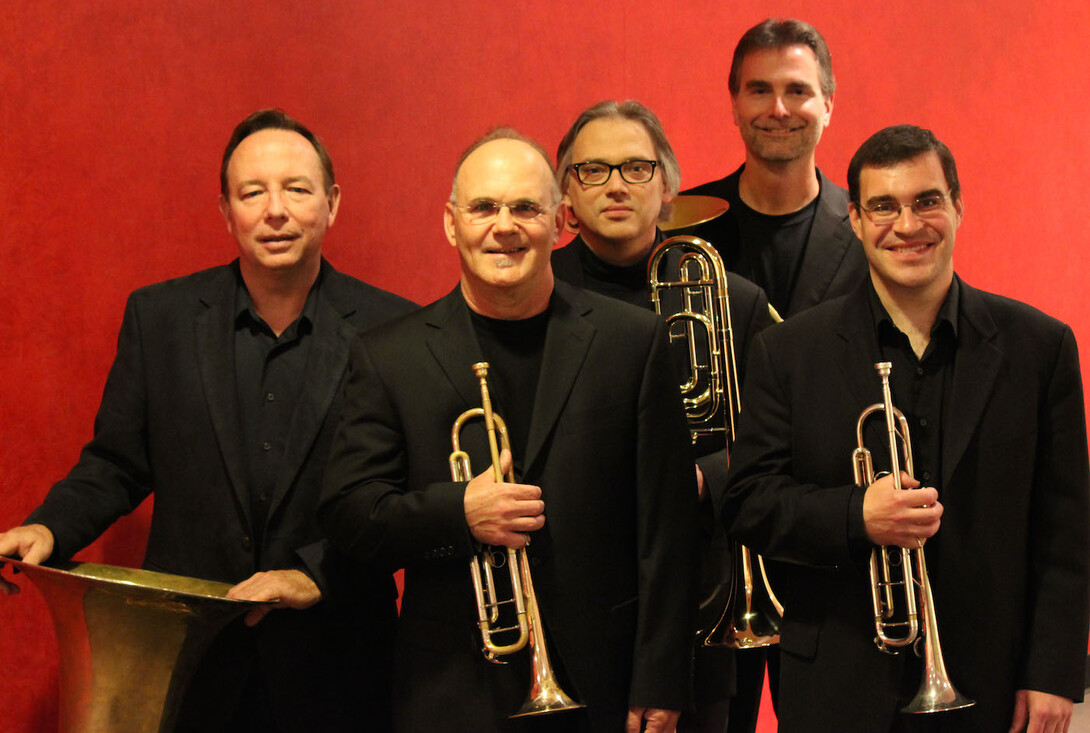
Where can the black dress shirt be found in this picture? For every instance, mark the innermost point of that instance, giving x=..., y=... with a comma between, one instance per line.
x=269, y=374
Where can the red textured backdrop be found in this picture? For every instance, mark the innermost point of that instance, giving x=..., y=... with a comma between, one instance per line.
x=114, y=114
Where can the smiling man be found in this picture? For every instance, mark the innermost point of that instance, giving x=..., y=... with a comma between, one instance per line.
x=787, y=228
x=604, y=497
x=222, y=401
x=992, y=393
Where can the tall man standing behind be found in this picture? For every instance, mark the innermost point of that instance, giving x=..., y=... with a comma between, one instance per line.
x=992, y=391
x=606, y=489
x=787, y=228
x=222, y=400
x=619, y=176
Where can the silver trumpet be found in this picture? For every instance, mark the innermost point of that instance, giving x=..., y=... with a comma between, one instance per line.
x=545, y=695
x=918, y=625
x=696, y=310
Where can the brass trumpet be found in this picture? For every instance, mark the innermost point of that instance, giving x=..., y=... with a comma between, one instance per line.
x=700, y=317
x=919, y=625
x=545, y=694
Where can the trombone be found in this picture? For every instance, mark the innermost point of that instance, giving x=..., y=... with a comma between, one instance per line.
x=920, y=626
x=545, y=694
x=710, y=393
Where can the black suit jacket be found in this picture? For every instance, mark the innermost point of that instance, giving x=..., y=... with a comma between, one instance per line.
x=168, y=425
x=748, y=314
x=833, y=261
x=613, y=565
x=1009, y=565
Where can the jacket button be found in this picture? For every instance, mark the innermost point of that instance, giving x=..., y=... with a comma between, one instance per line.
x=247, y=543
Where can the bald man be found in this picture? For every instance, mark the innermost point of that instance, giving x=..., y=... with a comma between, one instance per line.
x=604, y=495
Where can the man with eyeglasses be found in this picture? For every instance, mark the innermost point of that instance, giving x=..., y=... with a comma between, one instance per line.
x=604, y=499
x=787, y=227
x=619, y=176
x=992, y=394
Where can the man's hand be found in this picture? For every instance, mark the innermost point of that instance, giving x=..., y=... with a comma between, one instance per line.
x=900, y=518
x=32, y=544
x=1044, y=713
x=501, y=513
x=701, y=489
x=289, y=588
x=657, y=720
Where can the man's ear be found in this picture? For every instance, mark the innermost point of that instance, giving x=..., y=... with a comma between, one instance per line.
x=448, y=223
x=334, y=198
x=856, y=220
x=570, y=221
x=225, y=210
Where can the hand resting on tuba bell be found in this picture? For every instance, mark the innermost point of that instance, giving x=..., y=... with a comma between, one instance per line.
x=900, y=517
x=32, y=543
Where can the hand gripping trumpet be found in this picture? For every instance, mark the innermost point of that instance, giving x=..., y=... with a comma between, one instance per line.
x=693, y=299
x=545, y=694
x=936, y=694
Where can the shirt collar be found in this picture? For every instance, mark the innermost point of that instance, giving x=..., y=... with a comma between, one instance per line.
x=947, y=317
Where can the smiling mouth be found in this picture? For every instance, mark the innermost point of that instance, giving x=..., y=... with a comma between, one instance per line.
x=908, y=249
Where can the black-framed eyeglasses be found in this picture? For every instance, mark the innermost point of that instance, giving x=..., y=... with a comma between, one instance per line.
x=593, y=173
x=483, y=211
x=887, y=212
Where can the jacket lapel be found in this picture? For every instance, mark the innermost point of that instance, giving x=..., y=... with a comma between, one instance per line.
x=860, y=352
x=453, y=343
x=826, y=248
x=215, y=330
x=975, y=370
x=326, y=364
x=567, y=342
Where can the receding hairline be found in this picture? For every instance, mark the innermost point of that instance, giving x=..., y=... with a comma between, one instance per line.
x=542, y=156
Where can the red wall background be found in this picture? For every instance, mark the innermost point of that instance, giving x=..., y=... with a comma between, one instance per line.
x=114, y=113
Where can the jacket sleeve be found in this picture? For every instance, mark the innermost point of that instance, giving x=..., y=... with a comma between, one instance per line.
x=112, y=475
x=765, y=506
x=368, y=508
x=1059, y=550
x=667, y=541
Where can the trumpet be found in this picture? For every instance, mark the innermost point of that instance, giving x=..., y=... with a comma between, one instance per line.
x=919, y=626
x=700, y=317
x=545, y=695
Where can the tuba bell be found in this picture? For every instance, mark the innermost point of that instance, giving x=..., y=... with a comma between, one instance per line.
x=545, y=695
x=129, y=641
x=695, y=304
x=917, y=625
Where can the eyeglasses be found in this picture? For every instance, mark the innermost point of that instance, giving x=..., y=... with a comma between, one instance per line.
x=632, y=171
x=887, y=212
x=483, y=211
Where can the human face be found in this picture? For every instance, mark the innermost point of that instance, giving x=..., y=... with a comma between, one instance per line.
x=912, y=256
x=780, y=109
x=616, y=219
x=277, y=207
x=504, y=259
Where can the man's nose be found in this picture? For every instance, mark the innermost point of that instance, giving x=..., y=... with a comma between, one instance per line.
x=274, y=207
x=505, y=222
x=616, y=183
x=907, y=220
x=779, y=109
